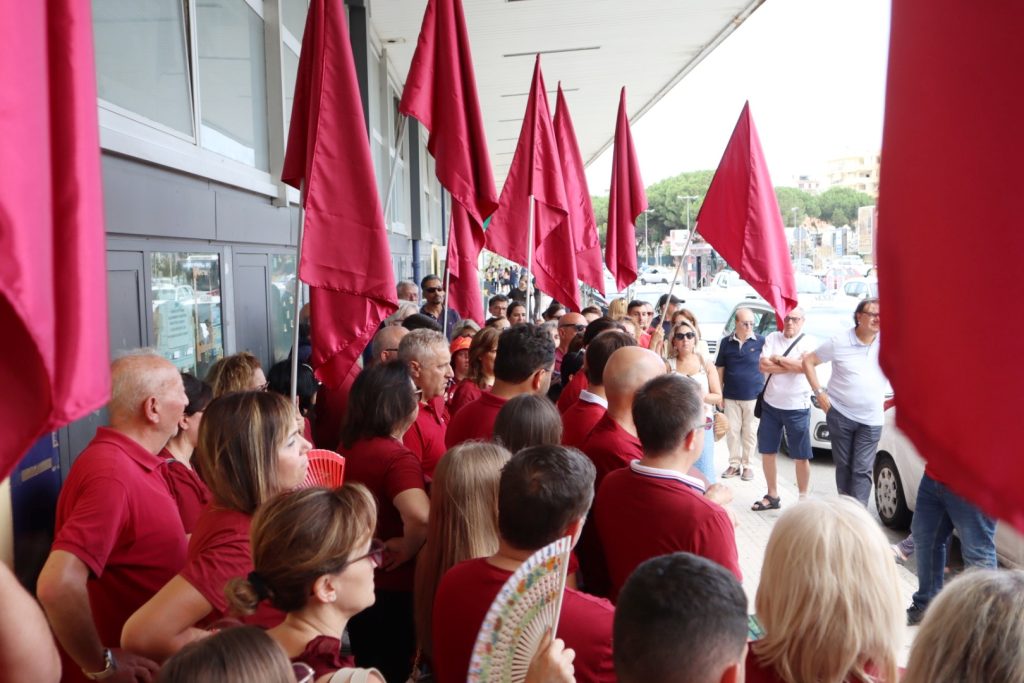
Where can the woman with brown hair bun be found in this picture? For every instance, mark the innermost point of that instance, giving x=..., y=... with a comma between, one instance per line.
x=313, y=558
x=463, y=522
x=482, y=352
x=187, y=488
x=249, y=451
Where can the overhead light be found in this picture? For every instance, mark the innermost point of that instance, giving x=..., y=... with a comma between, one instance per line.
x=524, y=94
x=551, y=52
x=510, y=120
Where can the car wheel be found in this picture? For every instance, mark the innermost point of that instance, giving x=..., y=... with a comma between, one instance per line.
x=889, y=496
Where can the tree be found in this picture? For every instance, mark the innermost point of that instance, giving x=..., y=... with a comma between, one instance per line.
x=601, y=216
x=790, y=198
x=839, y=204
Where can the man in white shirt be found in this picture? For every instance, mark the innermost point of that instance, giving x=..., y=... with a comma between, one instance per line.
x=853, y=402
x=786, y=407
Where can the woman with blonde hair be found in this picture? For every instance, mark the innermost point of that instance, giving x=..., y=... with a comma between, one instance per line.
x=239, y=372
x=313, y=558
x=698, y=367
x=463, y=523
x=250, y=449
x=973, y=632
x=482, y=352
x=828, y=599
x=617, y=308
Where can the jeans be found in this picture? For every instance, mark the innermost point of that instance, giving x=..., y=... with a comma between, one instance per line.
x=853, y=450
x=937, y=513
x=706, y=462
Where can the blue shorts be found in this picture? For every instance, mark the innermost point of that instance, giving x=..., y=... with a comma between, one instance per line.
x=797, y=426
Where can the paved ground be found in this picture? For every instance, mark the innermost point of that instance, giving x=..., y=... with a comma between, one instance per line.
x=754, y=527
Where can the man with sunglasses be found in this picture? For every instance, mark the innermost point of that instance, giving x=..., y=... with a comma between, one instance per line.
x=853, y=400
x=433, y=295
x=786, y=407
x=741, y=378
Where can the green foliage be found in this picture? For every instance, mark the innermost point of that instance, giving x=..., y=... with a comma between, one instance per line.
x=790, y=198
x=839, y=204
x=601, y=216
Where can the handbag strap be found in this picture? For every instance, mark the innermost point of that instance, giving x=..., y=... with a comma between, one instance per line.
x=786, y=353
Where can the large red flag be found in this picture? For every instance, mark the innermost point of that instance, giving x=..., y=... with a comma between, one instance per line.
x=440, y=92
x=626, y=200
x=740, y=218
x=577, y=194
x=537, y=171
x=465, y=241
x=952, y=129
x=345, y=256
x=53, y=281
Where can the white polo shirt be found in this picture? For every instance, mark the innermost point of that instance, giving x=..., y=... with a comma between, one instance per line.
x=789, y=390
x=857, y=386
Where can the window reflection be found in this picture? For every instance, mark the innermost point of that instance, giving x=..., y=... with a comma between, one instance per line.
x=282, y=304
x=186, y=309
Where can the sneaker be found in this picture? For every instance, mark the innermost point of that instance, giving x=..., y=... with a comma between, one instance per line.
x=731, y=472
x=914, y=615
x=748, y=474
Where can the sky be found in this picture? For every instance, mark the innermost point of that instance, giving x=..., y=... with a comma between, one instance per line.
x=814, y=73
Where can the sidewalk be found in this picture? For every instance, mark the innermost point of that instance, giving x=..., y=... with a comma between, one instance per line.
x=754, y=528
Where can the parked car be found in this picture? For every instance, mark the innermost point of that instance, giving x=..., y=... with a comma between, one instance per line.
x=821, y=324
x=898, y=471
x=658, y=274
x=859, y=288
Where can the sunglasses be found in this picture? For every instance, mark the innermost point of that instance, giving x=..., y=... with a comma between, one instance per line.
x=579, y=326
x=432, y=290
x=685, y=335
x=791, y=319
x=745, y=323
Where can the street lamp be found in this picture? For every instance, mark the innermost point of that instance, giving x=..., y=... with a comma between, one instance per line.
x=688, y=199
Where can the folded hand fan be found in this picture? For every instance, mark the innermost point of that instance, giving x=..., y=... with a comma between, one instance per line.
x=526, y=607
x=326, y=468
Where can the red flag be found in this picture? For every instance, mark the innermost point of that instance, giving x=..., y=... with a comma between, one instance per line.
x=740, y=218
x=53, y=279
x=440, y=92
x=626, y=200
x=537, y=170
x=581, y=210
x=345, y=256
x=464, y=244
x=952, y=128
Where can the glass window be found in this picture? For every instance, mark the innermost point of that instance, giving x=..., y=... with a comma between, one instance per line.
x=141, y=59
x=186, y=309
x=232, y=81
x=293, y=14
x=291, y=71
x=282, y=304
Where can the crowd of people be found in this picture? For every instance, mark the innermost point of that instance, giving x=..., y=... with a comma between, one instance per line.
x=188, y=548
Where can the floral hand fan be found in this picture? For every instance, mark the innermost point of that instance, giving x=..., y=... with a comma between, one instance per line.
x=326, y=468
x=526, y=607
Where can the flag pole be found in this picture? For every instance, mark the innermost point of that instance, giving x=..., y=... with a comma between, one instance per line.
x=402, y=121
x=298, y=298
x=529, y=267
x=447, y=274
x=679, y=266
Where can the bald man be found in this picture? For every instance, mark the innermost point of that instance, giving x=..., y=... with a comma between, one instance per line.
x=613, y=442
x=119, y=536
x=569, y=325
x=386, y=342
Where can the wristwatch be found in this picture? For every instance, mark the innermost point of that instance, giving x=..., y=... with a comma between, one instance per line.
x=819, y=391
x=110, y=666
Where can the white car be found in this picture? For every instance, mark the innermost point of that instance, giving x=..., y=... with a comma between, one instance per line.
x=898, y=471
x=659, y=274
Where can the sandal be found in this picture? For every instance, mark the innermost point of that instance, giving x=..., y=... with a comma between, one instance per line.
x=773, y=503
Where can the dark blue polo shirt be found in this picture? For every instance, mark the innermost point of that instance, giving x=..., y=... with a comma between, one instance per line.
x=743, y=380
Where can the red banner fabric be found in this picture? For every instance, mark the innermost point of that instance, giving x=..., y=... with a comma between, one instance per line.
x=626, y=200
x=345, y=255
x=53, y=279
x=952, y=130
x=740, y=218
x=577, y=194
x=440, y=92
x=537, y=170
x=465, y=240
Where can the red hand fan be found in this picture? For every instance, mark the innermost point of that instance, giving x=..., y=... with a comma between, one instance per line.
x=326, y=468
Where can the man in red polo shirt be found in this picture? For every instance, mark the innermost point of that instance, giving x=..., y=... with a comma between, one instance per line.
x=655, y=494
x=613, y=442
x=543, y=495
x=430, y=366
x=592, y=404
x=119, y=537
x=526, y=356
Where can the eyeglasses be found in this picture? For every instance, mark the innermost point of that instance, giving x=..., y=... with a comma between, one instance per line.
x=303, y=672
x=745, y=323
x=792, y=319
x=685, y=335
x=874, y=316
x=418, y=393
x=579, y=326
x=709, y=423
x=376, y=555
x=432, y=290
x=263, y=387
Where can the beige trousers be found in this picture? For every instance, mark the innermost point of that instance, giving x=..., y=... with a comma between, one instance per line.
x=742, y=435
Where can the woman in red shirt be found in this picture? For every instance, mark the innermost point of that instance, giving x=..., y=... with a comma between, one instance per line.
x=829, y=599
x=314, y=556
x=188, y=490
x=250, y=449
x=381, y=407
x=482, y=352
